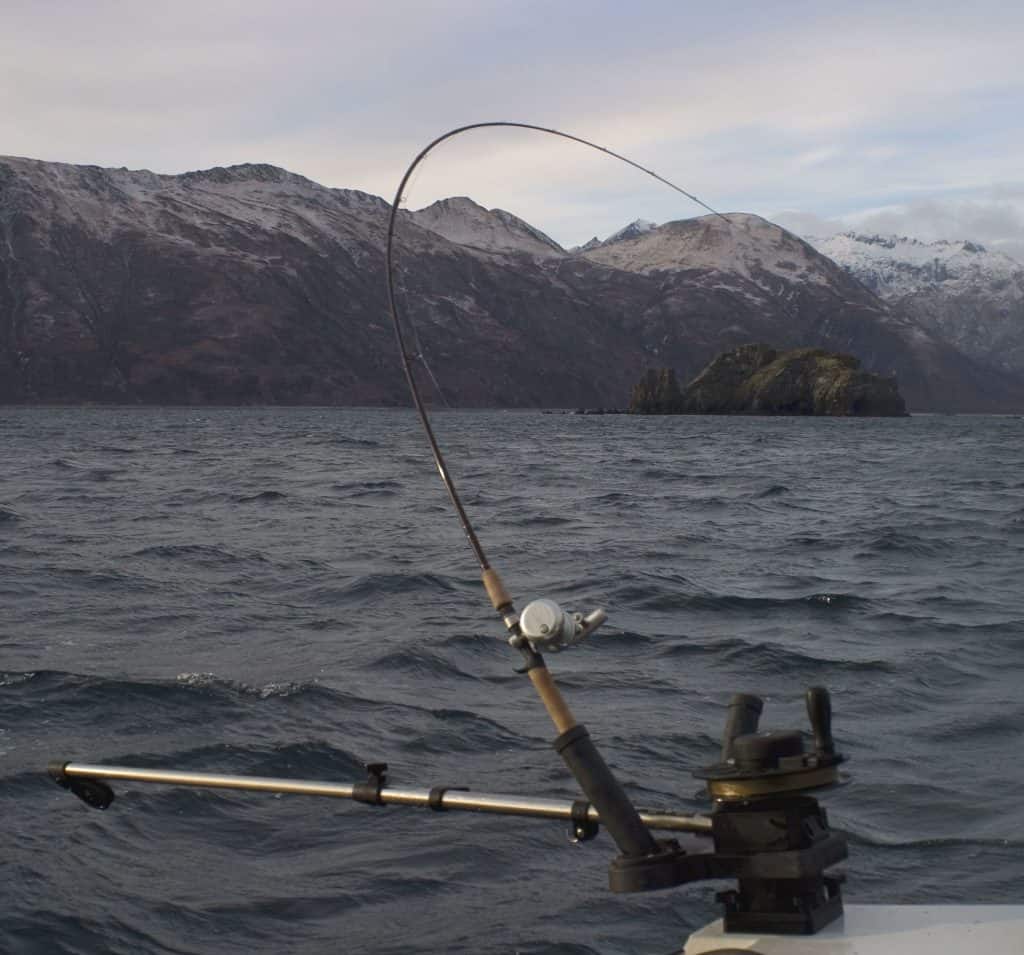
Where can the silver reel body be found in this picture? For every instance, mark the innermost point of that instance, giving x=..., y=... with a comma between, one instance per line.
x=549, y=628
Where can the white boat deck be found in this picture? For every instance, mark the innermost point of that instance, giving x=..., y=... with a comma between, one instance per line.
x=885, y=930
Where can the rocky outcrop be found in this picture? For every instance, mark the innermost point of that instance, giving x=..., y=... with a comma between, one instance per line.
x=758, y=379
x=657, y=393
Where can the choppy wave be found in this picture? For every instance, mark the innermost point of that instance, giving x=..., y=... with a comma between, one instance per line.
x=199, y=554
x=768, y=658
x=340, y=440
x=422, y=661
x=357, y=489
x=902, y=541
x=645, y=596
x=263, y=497
x=90, y=472
x=774, y=490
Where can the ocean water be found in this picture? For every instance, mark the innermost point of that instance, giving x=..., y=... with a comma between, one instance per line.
x=287, y=592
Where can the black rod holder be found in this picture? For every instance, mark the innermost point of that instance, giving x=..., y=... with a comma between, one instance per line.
x=600, y=786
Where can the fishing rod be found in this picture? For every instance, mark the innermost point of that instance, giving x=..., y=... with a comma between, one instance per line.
x=766, y=832
x=543, y=624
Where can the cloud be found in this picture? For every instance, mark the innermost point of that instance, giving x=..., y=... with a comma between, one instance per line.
x=826, y=110
x=809, y=224
x=996, y=221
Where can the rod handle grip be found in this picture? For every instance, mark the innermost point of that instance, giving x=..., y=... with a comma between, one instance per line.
x=496, y=591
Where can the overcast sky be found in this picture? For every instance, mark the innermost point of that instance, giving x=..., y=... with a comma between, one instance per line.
x=894, y=116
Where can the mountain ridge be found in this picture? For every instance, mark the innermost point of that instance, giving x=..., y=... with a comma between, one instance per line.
x=250, y=283
x=465, y=222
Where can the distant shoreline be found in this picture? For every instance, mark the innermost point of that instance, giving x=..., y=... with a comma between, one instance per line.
x=570, y=412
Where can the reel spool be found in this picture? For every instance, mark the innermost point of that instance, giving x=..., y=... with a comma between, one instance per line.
x=758, y=764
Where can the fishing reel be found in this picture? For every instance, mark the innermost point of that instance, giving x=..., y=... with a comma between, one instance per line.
x=549, y=628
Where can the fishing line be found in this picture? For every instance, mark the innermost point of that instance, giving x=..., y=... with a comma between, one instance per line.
x=420, y=355
x=435, y=449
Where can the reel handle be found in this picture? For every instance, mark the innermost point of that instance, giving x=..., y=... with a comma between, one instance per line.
x=740, y=720
x=819, y=710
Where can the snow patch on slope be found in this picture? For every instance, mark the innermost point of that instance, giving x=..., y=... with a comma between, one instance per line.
x=636, y=228
x=223, y=201
x=631, y=231
x=968, y=295
x=463, y=221
x=893, y=266
x=739, y=243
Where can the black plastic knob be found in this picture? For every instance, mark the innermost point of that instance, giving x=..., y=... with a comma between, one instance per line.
x=741, y=720
x=819, y=709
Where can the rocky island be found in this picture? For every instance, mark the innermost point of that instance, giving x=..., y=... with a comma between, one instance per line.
x=758, y=379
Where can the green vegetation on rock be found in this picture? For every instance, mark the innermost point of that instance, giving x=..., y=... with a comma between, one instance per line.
x=758, y=379
x=656, y=393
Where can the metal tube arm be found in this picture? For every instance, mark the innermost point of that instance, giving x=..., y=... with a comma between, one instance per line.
x=67, y=773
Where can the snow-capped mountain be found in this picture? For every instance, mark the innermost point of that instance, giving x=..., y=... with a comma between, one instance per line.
x=631, y=231
x=738, y=243
x=250, y=283
x=461, y=220
x=971, y=296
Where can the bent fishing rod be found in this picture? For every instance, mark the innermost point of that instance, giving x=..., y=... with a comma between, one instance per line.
x=780, y=860
x=543, y=624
